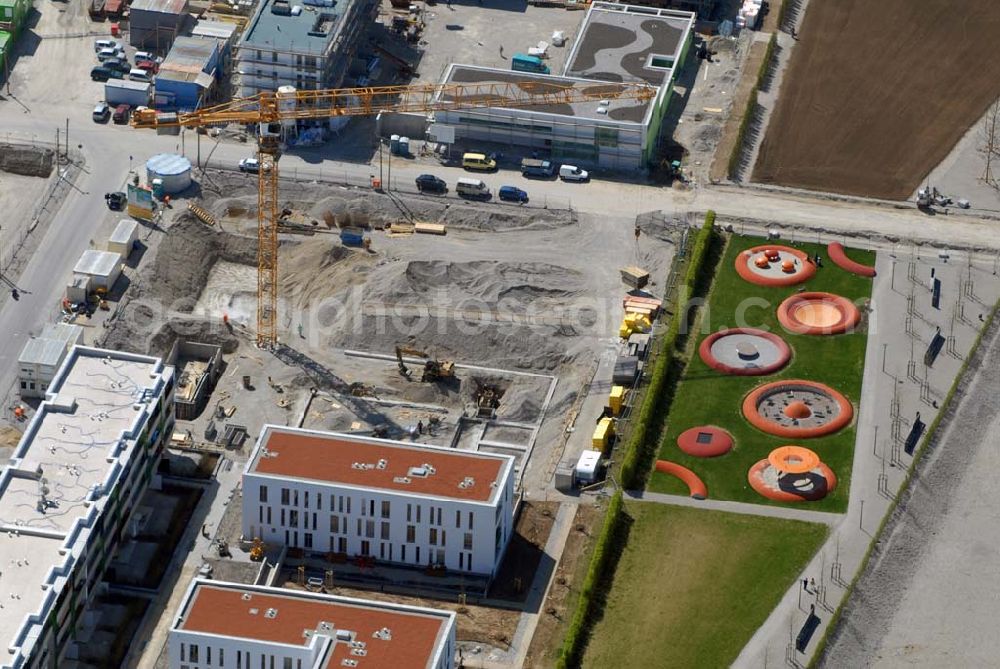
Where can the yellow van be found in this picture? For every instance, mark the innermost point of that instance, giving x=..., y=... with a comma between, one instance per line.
x=478, y=161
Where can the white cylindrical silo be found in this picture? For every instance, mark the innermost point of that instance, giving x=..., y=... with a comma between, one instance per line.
x=174, y=170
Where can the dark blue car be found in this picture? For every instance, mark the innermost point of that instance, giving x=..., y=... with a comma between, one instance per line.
x=512, y=194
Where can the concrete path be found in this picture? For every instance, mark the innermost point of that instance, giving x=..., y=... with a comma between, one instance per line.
x=540, y=585
x=743, y=508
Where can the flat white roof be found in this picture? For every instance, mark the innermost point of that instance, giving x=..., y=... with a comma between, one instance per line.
x=49, y=347
x=97, y=263
x=124, y=231
x=61, y=474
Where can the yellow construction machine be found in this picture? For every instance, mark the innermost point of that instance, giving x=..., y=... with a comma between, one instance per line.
x=434, y=370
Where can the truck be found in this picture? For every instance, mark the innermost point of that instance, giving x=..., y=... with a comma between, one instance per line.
x=124, y=92
x=522, y=63
x=113, y=8
x=96, y=10
x=532, y=167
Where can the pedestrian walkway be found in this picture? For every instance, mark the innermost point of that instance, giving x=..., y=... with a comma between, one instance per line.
x=744, y=508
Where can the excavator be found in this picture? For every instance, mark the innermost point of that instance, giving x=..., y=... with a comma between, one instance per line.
x=434, y=370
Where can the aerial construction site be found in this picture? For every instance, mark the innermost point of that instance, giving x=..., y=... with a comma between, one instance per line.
x=497, y=334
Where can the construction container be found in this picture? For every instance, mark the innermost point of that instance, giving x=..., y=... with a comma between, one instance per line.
x=124, y=237
x=603, y=433
x=352, y=236
x=172, y=169
x=125, y=92
x=587, y=468
x=616, y=399
x=626, y=371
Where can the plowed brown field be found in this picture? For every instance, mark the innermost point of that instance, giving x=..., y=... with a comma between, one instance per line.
x=879, y=91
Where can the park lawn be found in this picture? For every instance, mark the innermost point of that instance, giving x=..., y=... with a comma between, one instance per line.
x=692, y=586
x=707, y=397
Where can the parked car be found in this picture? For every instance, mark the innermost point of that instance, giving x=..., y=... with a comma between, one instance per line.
x=137, y=74
x=148, y=65
x=144, y=55
x=478, y=161
x=573, y=173
x=105, y=44
x=428, y=183
x=111, y=52
x=117, y=64
x=121, y=114
x=473, y=188
x=251, y=165
x=101, y=112
x=102, y=73
x=532, y=167
x=116, y=201
x=512, y=194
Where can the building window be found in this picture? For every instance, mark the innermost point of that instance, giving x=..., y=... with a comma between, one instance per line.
x=308, y=539
x=293, y=517
x=263, y=494
x=411, y=534
x=385, y=531
x=283, y=518
x=287, y=664
x=286, y=496
x=433, y=538
x=222, y=657
x=193, y=654
x=402, y=549
x=208, y=655
x=458, y=519
x=440, y=556
x=268, y=515
x=418, y=512
x=260, y=515
x=366, y=548
x=370, y=529
x=359, y=527
x=470, y=520
x=295, y=498
x=371, y=508
x=385, y=509
x=409, y=513
x=348, y=505
x=239, y=660
x=306, y=499
x=319, y=501
x=342, y=545
x=183, y=652
x=334, y=524
x=417, y=560
x=467, y=543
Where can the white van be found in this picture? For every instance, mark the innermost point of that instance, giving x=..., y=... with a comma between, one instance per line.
x=472, y=188
x=573, y=173
x=109, y=52
x=105, y=44
x=144, y=55
x=136, y=74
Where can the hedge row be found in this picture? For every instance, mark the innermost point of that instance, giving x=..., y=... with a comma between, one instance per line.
x=644, y=438
x=594, y=583
x=741, y=136
x=932, y=434
x=765, y=66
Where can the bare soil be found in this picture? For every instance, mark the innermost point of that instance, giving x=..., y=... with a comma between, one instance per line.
x=524, y=553
x=558, y=607
x=877, y=94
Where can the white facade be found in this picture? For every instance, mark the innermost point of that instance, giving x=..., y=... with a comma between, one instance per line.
x=389, y=525
x=68, y=493
x=42, y=356
x=227, y=625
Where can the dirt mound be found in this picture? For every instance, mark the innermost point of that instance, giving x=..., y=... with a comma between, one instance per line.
x=376, y=210
x=29, y=161
x=486, y=281
x=186, y=257
x=320, y=268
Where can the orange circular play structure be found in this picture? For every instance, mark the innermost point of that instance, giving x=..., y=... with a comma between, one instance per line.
x=696, y=487
x=774, y=266
x=705, y=441
x=754, y=353
x=793, y=459
x=839, y=257
x=818, y=314
x=797, y=409
x=807, y=486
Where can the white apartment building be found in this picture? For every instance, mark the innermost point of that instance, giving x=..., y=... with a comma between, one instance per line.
x=67, y=495
x=235, y=626
x=393, y=501
x=308, y=47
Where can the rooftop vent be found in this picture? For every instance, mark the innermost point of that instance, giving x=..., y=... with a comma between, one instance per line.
x=344, y=635
x=254, y=612
x=385, y=634
x=323, y=25
x=281, y=8
x=467, y=482
x=271, y=613
x=421, y=472
x=382, y=463
x=401, y=479
x=347, y=662
x=325, y=626
x=246, y=597
x=359, y=652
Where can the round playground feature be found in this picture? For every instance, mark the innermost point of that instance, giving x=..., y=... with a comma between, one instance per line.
x=772, y=265
x=797, y=409
x=818, y=314
x=792, y=474
x=705, y=441
x=744, y=352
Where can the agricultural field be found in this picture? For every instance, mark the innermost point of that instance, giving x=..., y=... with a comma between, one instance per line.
x=877, y=94
x=692, y=586
x=708, y=397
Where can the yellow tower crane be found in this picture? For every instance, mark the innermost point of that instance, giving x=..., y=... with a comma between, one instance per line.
x=267, y=110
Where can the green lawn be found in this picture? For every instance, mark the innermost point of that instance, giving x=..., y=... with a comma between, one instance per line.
x=706, y=397
x=693, y=586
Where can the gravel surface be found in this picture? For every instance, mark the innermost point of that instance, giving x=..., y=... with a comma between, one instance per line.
x=927, y=596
